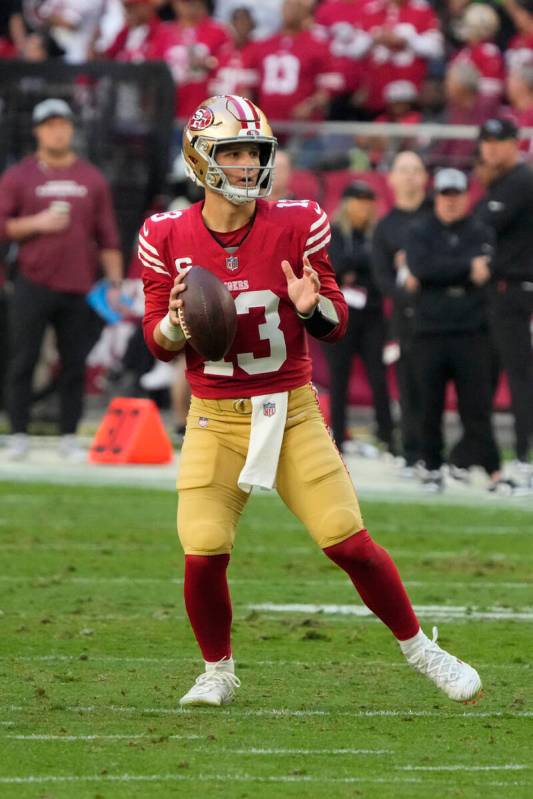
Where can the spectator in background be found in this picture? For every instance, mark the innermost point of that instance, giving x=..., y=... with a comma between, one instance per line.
x=519, y=90
x=58, y=209
x=12, y=29
x=193, y=58
x=294, y=72
x=508, y=209
x=282, y=177
x=408, y=180
x=4, y=333
x=401, y=37
x=143, y=38
x=74, y=25
x=400, y=98
x=267, y=14
x=520, y=48
x=478, y=28
x=448, y=252
x=342, y=22
x=350, y=256
x=465, y=105
x=230, y=75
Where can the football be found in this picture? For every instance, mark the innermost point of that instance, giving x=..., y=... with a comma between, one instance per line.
x=208, y=317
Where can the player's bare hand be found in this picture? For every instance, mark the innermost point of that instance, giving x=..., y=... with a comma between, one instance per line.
x=50, y=221
x=303, y=291
x=174, y=300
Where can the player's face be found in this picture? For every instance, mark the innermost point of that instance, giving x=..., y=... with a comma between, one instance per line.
x=498, y=154
x=55, y=135
x=240, y=163
x=451, y=206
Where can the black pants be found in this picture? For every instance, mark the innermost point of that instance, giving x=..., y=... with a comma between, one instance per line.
x=4, y=345
x=33, y=307
x=365, y=337
x=410, y=392
x=510, y=326
x=465, y=359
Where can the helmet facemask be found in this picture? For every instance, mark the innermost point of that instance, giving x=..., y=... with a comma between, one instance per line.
x=216, y=178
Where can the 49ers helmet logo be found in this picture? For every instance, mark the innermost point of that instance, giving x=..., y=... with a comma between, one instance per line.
x=202, y=118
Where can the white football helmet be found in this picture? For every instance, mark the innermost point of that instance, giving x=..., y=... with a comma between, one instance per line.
x=226, y=119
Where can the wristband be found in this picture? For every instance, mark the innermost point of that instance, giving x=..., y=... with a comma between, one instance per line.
x=170, y=331
x=323, y=320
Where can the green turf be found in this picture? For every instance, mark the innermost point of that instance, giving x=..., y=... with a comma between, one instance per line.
x=94, y=642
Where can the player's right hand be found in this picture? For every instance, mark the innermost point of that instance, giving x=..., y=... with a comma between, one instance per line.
x=174, y=300
x=49, y=221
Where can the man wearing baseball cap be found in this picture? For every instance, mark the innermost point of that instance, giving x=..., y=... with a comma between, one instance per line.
x=449, y=253
x=508, y=209
x=58, y=210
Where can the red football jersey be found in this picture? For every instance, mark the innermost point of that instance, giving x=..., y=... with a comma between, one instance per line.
x=416, y=23
x=342, y=23
x=519, y=50
x=487, y=59
x=270, y=351
x=192, y=59
x=289, y=69
x=144, y=43
x=230, y=75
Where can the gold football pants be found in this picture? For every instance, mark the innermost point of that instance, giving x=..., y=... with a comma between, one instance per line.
x=311, y=478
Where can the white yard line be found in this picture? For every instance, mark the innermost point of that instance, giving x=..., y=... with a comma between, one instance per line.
x=101, y=737
x=339, y=583
x=505, y=767
x=227, y=779
x=283, y=712
x=335, y=612
x=348, y=661
x=241, y=751
x=435, y=611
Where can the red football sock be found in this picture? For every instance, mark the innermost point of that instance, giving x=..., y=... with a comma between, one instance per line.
x=208, y=604
x=376, y=578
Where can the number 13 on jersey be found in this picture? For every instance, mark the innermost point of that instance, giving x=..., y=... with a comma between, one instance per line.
x=269, y=331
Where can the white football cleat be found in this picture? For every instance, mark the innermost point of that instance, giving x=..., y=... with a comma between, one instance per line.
x=458, y=680
x=214, y=687
x=18, y=446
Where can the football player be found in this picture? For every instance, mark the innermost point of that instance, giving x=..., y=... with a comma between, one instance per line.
x=254, y=417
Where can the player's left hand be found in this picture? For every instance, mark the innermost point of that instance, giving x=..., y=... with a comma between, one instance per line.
x=303, y=291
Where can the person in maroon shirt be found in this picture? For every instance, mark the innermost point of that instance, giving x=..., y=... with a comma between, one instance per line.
x=58, y=209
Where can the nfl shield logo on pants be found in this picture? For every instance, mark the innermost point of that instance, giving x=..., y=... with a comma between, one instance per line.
x=269, y=408
x=232, y=263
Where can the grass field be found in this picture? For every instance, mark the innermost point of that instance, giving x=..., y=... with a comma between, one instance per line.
x=95, y=652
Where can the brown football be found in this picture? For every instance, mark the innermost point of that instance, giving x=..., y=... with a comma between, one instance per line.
x=208, y=316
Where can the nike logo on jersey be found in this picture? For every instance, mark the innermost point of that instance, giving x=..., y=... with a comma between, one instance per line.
x=496, y=205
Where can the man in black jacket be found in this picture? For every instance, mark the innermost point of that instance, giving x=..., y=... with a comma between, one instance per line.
x=508, y=209
x=408, y=180
x=449, y=254
x=349, y=252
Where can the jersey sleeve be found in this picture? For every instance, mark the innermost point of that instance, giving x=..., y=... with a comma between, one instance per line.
x=157, y=277
x=316, y=238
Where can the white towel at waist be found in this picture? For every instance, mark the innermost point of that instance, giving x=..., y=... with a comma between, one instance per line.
x=269, y=415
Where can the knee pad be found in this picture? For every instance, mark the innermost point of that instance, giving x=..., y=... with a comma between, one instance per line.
x=205, y=538
x=337, y=524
